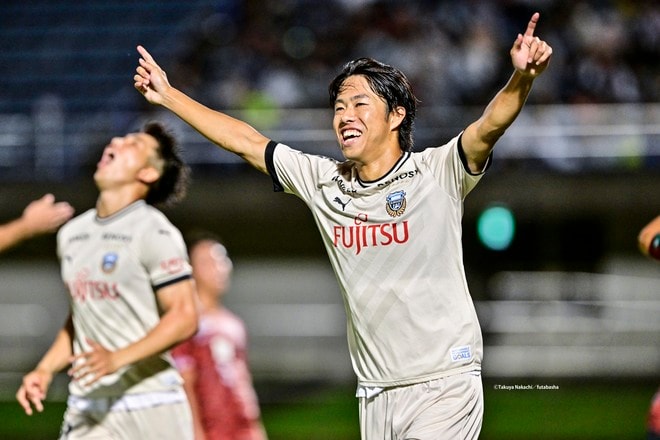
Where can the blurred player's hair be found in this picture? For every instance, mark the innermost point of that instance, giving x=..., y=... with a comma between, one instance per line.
x=174, y=179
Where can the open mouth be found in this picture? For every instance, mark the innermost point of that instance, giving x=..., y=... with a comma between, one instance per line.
x=347, y=135
x=106, y=159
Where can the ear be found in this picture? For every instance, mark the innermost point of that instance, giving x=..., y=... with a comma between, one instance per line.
x=148, y=175
x=397, y=116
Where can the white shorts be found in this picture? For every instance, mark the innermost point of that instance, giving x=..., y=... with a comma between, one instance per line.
x=448, y=408
x=146, y=416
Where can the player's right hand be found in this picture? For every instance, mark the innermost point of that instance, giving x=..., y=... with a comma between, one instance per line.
x=33, y=390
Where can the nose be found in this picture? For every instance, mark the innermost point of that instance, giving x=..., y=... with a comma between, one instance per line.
x=347, y=115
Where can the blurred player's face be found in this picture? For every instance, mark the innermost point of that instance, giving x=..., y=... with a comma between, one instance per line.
x=211, y=268
x=126, y=160
x=362, y=125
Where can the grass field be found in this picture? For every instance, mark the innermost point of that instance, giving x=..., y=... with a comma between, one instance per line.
x=576, y=411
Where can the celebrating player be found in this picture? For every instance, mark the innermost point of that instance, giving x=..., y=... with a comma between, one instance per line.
x=39, y=217
x=126, y=269
x=390, y=219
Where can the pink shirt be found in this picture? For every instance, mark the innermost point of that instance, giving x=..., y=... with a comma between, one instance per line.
x=218, y=354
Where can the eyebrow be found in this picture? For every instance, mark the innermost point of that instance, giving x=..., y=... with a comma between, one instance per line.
x=353, y=98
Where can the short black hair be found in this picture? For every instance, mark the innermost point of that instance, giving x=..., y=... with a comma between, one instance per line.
x=174, y=180
x=387, y=82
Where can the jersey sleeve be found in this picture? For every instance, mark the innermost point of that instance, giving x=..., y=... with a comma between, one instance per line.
x=164, y=255
x=449, y=165
x=296, y=172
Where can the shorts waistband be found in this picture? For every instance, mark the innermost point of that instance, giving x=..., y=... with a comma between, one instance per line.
x=126, y=402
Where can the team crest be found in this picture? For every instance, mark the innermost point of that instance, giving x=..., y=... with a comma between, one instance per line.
x=109, y=262
x=396, y=203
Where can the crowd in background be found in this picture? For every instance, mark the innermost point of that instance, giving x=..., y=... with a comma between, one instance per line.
x=284, y=52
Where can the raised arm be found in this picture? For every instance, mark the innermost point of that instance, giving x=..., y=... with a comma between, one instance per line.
x=229, y=133
x=39, y=217
x=530, y=57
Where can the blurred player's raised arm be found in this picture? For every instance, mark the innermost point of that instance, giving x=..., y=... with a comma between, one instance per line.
x=229, y=133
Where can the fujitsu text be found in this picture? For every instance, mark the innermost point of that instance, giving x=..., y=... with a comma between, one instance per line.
x=363, y=235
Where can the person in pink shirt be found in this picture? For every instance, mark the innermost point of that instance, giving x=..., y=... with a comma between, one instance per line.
x=213, y=362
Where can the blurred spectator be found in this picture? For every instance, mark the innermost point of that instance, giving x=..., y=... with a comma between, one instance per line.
x=609, y=50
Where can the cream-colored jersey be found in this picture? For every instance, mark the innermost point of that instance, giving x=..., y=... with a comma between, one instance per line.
x=112, y=268
x=395, y=246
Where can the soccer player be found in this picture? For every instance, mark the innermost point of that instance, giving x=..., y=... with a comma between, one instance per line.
x=390, y=219
x=126, y=269
x=39, y=217
x=213, y=363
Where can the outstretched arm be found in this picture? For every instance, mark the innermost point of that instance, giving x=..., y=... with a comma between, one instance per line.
x=39, y=217
x=229, y=133
x=530, y=57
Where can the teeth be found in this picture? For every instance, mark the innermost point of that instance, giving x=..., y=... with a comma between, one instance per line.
x=351, y=133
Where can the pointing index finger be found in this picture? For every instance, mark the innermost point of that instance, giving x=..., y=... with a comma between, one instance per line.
x=146, y=55
x=532, y=25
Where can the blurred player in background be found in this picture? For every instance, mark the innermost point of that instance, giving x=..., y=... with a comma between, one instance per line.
x=39, y=217
x=126, y=269
x=649, y=244
x=213, y=362
x=653, y=420
x=390, y=219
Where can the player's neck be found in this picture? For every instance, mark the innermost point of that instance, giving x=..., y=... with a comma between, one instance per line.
x=209, y=302
x=111, y=202
x=374, y=170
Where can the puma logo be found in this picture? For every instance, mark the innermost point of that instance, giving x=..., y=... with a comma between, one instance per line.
x=342, y=204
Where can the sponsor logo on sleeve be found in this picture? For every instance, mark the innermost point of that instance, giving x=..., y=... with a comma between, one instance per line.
x=173, y=265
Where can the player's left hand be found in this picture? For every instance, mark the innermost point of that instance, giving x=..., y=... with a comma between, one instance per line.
x=45, y=215
x=530, y=55
x=92, y=365
x=150, y=79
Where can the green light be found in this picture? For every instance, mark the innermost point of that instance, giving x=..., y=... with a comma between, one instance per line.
x=496, y=227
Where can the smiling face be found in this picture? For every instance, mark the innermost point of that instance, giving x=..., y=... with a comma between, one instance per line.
x=362, y=125
x=127, y=160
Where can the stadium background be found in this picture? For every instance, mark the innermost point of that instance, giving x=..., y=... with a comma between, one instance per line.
x=569, y=302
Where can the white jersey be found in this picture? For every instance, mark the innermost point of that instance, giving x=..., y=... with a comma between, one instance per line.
x=395, y=246
x=112, y=268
